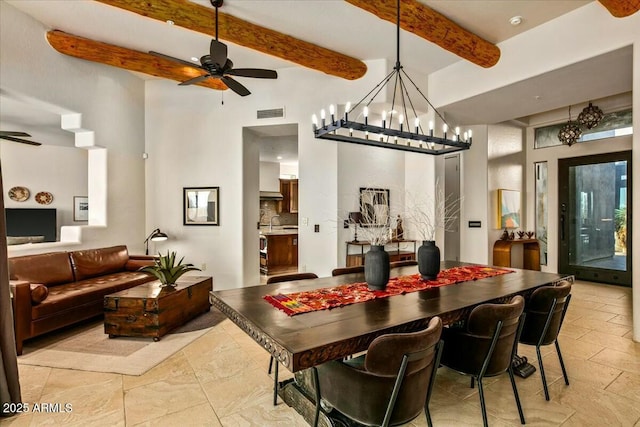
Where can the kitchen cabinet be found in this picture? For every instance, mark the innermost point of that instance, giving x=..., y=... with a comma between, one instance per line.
x=289, y=190
x=278, y=251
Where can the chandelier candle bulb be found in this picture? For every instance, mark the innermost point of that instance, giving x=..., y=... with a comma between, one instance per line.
x=466, y=136
x=365, y=113
x=323, y=116
x=417, y=125
x=366, y=134
x=314, y=120
x=401, y=121
x=384, y=119
x=350, y=131
x=332, y=112
x=347, y=108
x=445, y=128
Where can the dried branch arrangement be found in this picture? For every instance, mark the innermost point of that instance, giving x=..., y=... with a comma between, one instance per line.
x=375, y=218
x=429, y=215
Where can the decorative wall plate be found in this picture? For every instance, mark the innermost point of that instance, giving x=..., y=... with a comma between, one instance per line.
x=44, y=197
x=19, y=194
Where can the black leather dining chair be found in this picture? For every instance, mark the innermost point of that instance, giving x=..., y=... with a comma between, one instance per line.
x=347, y=270
x=545, y=311
x=485, y=345
x=290, y=276
x=278, y=279
x=403, y=263
x=389, y=385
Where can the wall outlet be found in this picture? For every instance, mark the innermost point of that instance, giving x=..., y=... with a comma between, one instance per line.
x=203, y=267
x=305, y=221
x=316, y=228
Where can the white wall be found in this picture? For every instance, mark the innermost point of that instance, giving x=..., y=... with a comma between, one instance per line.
x=269, y=176
x=475, y=203
x=38, y=169
x=362, y=166
x=506, y=159
x=112, y=104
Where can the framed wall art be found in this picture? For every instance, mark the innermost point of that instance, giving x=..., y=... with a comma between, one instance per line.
x=508, y=209
x=201, y=205
x=81, y=208
x=374, y=206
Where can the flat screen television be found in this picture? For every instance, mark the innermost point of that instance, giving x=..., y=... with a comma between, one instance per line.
x=32, y=222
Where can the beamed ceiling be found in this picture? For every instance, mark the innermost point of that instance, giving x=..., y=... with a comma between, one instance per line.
x=417, y=18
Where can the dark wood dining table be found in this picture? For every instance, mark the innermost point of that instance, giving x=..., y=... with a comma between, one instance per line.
x=302, y=341
x=306, y=340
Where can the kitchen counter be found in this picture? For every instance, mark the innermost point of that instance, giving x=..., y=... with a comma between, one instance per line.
x=278, y=230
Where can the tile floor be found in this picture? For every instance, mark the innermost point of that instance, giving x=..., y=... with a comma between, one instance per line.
x=221, y=380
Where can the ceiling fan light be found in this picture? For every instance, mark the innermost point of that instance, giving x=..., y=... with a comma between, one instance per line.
x=590, y=116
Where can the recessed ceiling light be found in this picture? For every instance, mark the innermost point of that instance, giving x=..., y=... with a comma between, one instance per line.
x=279, y=157
x=170, y=22
x=516, y=20
x=194, y=59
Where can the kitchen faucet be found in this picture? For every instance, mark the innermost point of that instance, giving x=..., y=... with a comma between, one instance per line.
x=271, y=222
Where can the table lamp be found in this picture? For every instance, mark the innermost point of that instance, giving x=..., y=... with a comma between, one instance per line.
x=355, y=218
x=155, y=236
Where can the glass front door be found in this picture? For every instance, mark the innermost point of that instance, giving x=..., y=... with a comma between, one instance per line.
x=595, y=217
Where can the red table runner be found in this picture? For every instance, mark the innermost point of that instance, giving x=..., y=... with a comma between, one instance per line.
x=337, y=296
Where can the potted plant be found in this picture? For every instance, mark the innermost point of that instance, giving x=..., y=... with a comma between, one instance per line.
x=167, y=271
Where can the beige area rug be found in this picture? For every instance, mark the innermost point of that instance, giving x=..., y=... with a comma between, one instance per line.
x=86, y=347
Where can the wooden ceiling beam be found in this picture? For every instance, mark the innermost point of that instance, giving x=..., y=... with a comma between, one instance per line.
x=120, y=57
x=621, y=8
x=202, y=19
x=425, y=22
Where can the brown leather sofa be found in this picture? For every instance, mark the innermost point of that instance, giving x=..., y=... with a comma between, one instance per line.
x=57, y=289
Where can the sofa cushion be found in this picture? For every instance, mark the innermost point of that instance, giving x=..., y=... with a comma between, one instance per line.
x=75, y=294
x=39, y=292
x=50, y=269
x=137, y=264
x=98, y=262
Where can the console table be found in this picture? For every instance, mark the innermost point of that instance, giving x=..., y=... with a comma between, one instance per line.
x=395, y=254
x=530, y=253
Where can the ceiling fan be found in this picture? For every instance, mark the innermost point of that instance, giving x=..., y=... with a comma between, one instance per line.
x=11, y=136
x=219, y=66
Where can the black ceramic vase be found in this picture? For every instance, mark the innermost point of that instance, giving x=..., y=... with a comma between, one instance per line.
x=376, y=268
x=429, y=260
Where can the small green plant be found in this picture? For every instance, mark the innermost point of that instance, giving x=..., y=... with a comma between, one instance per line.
x=166, y=270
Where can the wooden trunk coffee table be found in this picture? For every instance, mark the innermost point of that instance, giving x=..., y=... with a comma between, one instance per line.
x=149, y=310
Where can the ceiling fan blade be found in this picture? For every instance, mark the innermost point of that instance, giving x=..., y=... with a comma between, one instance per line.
x=171, y=58
x=257, y=73
x=12, y=133
x=218, y=53
x=23, y=141
x=195, y=80
x=235, y=86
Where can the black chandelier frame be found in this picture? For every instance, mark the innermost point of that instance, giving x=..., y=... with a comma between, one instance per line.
x=385, y=136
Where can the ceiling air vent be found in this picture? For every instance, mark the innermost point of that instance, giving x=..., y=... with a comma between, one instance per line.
x=271, y=114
